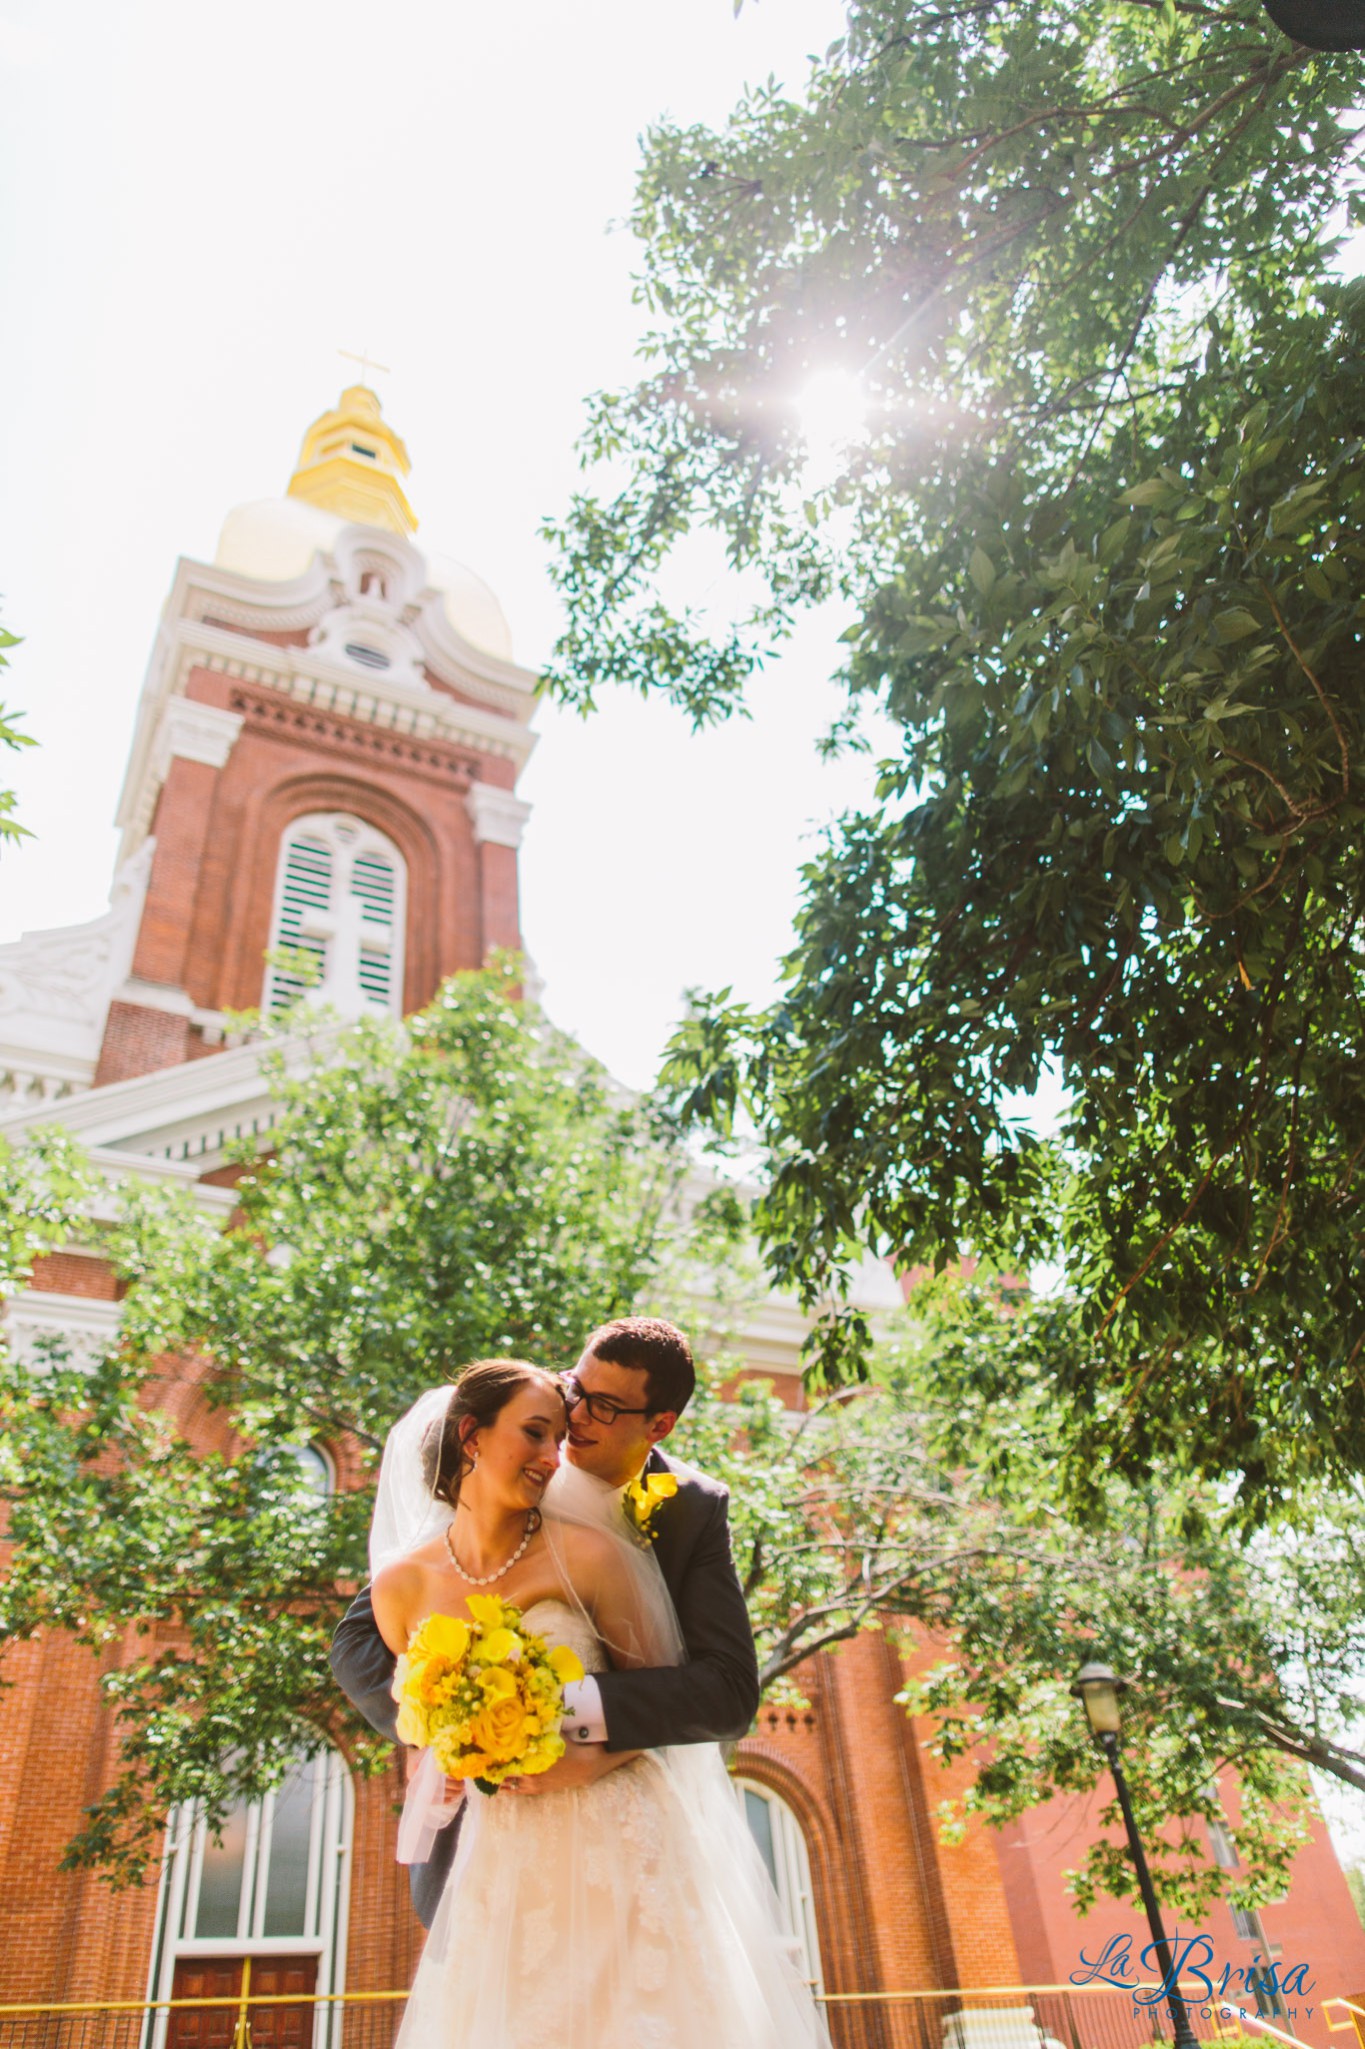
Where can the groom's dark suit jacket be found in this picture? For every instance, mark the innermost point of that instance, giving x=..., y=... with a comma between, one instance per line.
x=711, y=1699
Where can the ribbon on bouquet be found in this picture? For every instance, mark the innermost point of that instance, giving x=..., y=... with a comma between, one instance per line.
x=431, y=1803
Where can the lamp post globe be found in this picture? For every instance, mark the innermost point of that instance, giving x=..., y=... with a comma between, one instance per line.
x=1099, y=1689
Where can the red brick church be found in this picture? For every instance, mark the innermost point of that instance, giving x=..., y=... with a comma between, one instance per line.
x=326, y=757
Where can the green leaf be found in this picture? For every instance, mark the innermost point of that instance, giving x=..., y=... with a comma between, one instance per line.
x=1235, y=622
x=982, y=571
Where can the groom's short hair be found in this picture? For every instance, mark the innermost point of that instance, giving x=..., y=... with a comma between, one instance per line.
x=648, y=1345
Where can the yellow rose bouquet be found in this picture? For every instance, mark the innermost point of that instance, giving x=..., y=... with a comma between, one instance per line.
x=486, y=1696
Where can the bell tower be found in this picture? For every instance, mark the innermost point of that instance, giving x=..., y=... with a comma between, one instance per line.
x=325, y=763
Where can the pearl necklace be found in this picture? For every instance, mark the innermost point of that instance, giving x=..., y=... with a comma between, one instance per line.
x=532, y=1524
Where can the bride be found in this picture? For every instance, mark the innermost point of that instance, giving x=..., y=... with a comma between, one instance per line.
x=634, y=1910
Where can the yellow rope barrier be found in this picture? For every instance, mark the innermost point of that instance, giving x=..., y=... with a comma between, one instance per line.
x=1003, y=1992
x=246, y=1998
x=184, y=2005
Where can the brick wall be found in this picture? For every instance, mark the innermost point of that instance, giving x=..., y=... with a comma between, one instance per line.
x=75, y=1273
x=1314, y=1924
x=206, y=921
x=290, y=759
x=140, y=1040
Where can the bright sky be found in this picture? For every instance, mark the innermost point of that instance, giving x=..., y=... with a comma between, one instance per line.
x=208, y=205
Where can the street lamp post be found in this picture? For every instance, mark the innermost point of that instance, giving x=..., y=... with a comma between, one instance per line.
x=1098, y=1690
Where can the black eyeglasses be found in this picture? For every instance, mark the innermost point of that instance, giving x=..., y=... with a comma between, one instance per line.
x=600, y=1407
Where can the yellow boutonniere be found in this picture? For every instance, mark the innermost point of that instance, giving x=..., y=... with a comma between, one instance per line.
x=643, y=1497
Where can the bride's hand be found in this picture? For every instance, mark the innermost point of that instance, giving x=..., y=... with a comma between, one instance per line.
x=582, y=1764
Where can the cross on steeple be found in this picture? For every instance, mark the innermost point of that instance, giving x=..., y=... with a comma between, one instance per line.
x=367, y=363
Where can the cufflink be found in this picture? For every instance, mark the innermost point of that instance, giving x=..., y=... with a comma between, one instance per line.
x=583, y=1735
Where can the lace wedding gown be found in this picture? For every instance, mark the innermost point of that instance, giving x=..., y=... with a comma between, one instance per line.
x=634, y=1913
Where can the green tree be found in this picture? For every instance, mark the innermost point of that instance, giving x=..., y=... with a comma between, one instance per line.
x=1099, y=543
x=10, y=736
x=926, y=1502
x=472, y=1185
x=467, y=1184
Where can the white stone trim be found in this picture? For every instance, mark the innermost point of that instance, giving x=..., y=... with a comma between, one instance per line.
x=29, y=1076
x=178, y=1121
x=499, y=816
x=308, y=676
x=55, y=986
x=155, y=996
x=70, y=1069
x=202, y=590
x=195, y=732
x=115, y=1167
x=127, y=1113
x=88, y=1324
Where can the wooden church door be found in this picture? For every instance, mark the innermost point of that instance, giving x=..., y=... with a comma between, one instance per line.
x=215, y=2027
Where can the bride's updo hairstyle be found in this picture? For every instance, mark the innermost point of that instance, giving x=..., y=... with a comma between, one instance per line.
x=477, y=1399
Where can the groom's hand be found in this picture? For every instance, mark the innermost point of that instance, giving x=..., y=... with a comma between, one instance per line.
x=581, y=1765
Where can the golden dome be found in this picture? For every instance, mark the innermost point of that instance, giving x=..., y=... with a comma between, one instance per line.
x=352, y=463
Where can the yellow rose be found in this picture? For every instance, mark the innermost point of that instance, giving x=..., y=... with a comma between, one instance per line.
x=428, y=1682
x=412, y=1725
x=441, y=1636
x=566, y=1665
x=500, y=1729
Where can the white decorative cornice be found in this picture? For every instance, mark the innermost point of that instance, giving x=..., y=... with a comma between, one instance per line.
x=55, y=986
x=452, y=659
x=30, y=1075
x=78, y=1328
x=174, y=1112
x=204, y=593
x=309, y=676
x=177, y=1120
x=196, y=732
x=499, y=816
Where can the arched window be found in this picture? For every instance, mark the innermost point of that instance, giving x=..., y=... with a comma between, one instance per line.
x=782, y=1846
x=316, y=1473
x=339, y=902
x=275, y=1889
x=306, y=1470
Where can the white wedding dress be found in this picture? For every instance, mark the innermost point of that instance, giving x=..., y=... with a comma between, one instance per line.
x=634, y=1913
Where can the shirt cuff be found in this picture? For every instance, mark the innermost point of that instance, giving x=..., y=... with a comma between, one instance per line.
x=584, y=1720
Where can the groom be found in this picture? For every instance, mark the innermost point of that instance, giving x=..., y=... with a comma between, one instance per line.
x=624, y=1396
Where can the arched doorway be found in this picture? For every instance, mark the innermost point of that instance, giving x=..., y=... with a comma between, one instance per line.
x=275, y=1888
